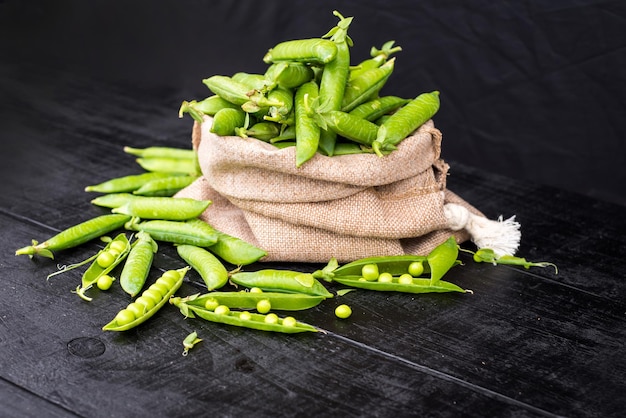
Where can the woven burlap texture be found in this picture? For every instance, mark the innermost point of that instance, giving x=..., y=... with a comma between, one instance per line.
x=347, y=207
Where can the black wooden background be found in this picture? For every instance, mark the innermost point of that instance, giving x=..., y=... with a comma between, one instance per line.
x=534, y=90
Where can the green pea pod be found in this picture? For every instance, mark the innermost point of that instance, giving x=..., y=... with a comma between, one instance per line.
x=334, y=77
x=374, y=109
x=209, y=106
x=378, y=58
x=307, y=130
x=348, y=126
x=235, y=251
x=287, y=281
x=442, y=258
x=226, y=121
x=249, y=300
x=312, y=51
x=106, y=260
x=366, y=86
x=169, y=166
x=251, y=81
x=138, y=263
x=112, y=200
x=417, y=285
x=263, y=131
x=289, y=75
x=192, y=231
x=236, y=92
x=406, y=120
x=125, y=183
x=165, y=187
x=157, y=295
x=245, y=319
x=166, y=208
x=75, y=235
x=212, y=271
x=161, y=152
x=394, y=265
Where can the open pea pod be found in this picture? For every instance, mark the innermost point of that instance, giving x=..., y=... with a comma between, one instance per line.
x=246, y=319
x=105, y=260
x=416, y=286
x=442, y=258
x=285, y=281
x=394, y=265
x=249, y=300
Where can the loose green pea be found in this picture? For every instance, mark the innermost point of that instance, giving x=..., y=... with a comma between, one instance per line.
x=343, y=311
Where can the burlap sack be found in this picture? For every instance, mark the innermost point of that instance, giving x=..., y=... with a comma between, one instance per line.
x=345, y=207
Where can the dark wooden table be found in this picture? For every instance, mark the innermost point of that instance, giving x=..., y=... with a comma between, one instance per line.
x=525, y=343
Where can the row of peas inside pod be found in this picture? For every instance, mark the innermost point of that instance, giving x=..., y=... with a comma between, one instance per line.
x=314, y=98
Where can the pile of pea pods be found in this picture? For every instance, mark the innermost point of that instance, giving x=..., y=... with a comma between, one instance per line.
x=312, y=98
x=144, y=206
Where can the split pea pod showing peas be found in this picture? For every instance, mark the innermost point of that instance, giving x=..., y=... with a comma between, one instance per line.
x=400, y=284
x=281, y=281
x=212, y=271
x=250, y=300
x=222, y=314
x=125, y=183
x=106, y=260
x=151, y=300
x=138, y=263
x=75, y=235
x=191, y=232
x=166, y=208
x=313, y=51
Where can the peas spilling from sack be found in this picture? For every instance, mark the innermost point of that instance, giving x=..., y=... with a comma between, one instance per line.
x=285, y=104
x=311, y=97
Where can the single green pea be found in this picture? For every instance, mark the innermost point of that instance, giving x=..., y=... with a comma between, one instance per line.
x=105, y=259
x=343, y=311
x=263, y=306
x=222, y=310
x=104, y=282
x=416, y=268
x=405, y=279
x=245, y=316
x=370, y=272
x=289, y=321
x=271, y=318
x=124, y=317
x=211, y=304
x=137, y=309
x=147, y=303
x=385, y=277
